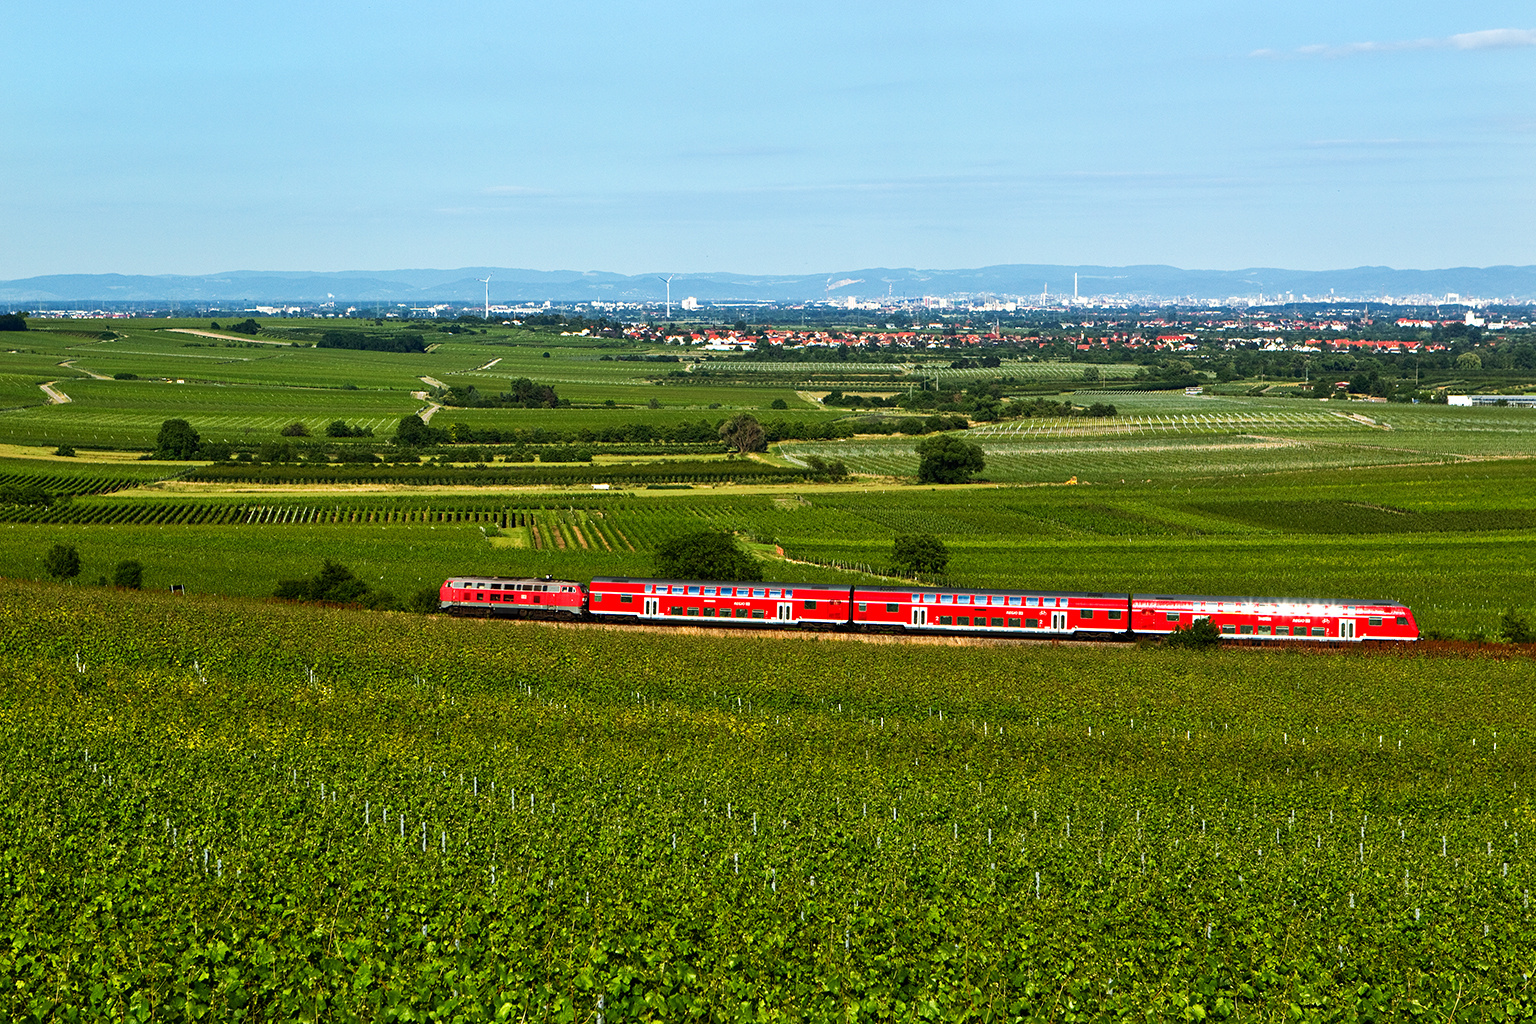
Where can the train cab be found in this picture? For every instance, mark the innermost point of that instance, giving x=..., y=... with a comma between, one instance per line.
x=1275, y=619
x=513, y=597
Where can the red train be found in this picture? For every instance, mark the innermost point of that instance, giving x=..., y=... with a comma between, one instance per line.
x=927, y=610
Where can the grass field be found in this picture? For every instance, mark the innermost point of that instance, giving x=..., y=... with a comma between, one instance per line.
x=222, y=809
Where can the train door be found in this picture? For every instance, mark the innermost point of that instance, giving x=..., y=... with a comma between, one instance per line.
x=1346, y=629
x=919, y=616
x=786, y=611
x=1059, y=621
x=653, y=606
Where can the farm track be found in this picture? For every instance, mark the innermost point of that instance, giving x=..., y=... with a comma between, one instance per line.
x=228, y=337
x=55, y=396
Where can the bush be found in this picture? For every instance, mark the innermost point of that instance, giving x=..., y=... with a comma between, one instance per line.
x=426, y=601
x=128, y=574
x=65, y=451
x=1515, y=628
x=62, y=562
x=296, y=429
x=1201, y=634
x=920, y=553
x=707, y=555
x=125, y=376
x=334, y=582
x=778, y=403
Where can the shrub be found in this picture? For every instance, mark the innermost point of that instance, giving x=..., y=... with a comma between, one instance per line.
x=295, y=429
x=62, y=562
x=1199, y=635
x=920, y=553
x=1515, y=628
x=128, y=574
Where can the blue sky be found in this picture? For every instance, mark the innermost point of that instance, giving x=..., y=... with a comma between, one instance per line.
x=765, y=137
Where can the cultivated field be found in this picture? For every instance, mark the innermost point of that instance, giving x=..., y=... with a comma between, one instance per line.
x=218, y=809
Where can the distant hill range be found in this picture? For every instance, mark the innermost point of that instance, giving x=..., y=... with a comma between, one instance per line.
x=508, y=286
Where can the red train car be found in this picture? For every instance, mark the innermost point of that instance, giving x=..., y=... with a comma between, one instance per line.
x=1275, y=619
x=513, y=597
x=1003, y=612
x=713, y=602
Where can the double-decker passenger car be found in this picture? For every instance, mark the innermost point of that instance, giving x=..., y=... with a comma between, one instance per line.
x=1011, y=612
x=1275, y=618
x=713, y=602
x=512, y=597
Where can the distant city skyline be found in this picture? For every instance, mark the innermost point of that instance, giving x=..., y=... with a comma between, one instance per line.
x=165, y=139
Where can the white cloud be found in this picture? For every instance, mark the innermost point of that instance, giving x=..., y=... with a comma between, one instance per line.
x=1487, y=39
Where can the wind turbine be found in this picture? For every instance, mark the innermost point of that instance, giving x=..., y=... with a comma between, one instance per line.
x=668, y=279
x=486, y=280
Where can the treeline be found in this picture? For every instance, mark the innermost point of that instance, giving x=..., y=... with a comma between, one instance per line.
x=440, y=476
x=524, y=394
x=365, y=342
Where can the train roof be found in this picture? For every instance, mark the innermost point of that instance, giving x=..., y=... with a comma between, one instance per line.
x=984, y=590
x=1208, y=598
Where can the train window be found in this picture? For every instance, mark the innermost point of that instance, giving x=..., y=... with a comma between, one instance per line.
x=1264, y=631
x=1282, y=631
x=675, y=609
x=1319, y=631
x=693, y=591
x=709, y=591
x=1402, y=620
x=997, y=622
x=1375, y=620
x=758, y=592
x=810, y=605
x=1229, y=629
x=1114, y=615
x=1086, y=613
x=863, y=606
x=965, y=620
x=946, y=598
x=709, y=613
x=1031, y=623
x=1172, y=616
x=1031, y=601
x=890, y=607
x=788, y=594
x=946, y=620
x=1014, y=602
x=693, y=611
x=757, y=614
x=1013, y=623
x=741, y=613
x=479, y=596
x=1246, y=630
x=773, y=593
x=623, y=598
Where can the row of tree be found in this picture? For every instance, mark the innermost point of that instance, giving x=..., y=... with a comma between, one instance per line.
x=62, y=562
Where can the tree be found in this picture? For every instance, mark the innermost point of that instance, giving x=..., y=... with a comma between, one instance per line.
x=128, y=574
x=744, y=433
x=708, y=555
x=295, y=429
x=413, y=432
x=13, y=322
x=177, y=440
x=920, y=553
x=1469, y=361
x=62, y=562
x=334, y=582
x=779, y=403
x=948, y=460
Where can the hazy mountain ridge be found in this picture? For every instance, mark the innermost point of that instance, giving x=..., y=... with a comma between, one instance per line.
x=422, y=287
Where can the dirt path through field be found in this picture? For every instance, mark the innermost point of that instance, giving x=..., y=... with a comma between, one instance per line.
x=228, y=337
x=55, y=396
x=69, y=364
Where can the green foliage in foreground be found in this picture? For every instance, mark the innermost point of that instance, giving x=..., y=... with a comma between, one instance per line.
x=218, y=809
